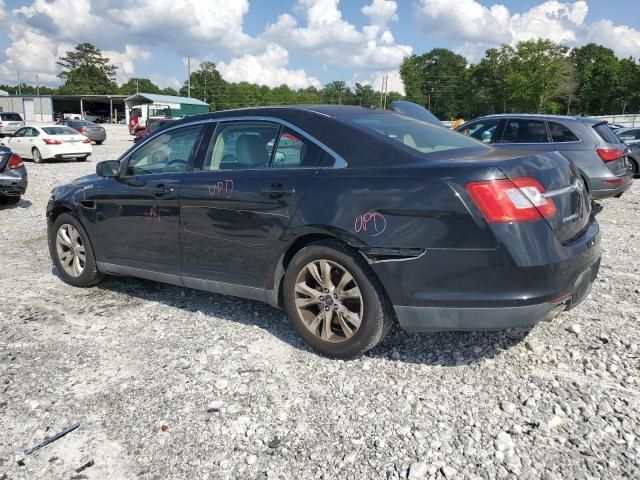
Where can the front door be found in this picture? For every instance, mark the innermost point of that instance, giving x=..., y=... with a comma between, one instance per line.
x=137, y=215
x=17, y=142
x=237, y=206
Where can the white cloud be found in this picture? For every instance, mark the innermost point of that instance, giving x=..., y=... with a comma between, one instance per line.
x=338, y=42
x=375, y=79
x=476, y=27
x=125, y=61
x=267, y=68
x=381, y=12
x=625, y=41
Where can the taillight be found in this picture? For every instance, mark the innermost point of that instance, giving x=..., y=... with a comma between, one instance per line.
x=86, y=140
x=51, y=141
x=610, y=154
x=15, y=161
x=82, y=129
x=516, y=200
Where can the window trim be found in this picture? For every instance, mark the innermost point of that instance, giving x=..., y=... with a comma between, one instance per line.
x=565, y=126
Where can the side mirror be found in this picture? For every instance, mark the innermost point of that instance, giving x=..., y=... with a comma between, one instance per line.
x=108, y=169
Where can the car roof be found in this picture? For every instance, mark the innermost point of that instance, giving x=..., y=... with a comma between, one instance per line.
x=543, y=116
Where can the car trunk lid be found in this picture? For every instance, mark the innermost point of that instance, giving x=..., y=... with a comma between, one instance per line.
x=563, y=186
x=613, y=152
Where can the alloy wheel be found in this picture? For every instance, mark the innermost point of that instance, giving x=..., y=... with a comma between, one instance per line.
x=37, y=156
x=328, y=301
x=70, y=250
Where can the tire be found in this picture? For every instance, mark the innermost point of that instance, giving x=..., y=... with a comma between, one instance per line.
x=99, y=142
x=89, y=275
x=634, y=167
x=37, y=156
x=82, y=159
x=372, y=306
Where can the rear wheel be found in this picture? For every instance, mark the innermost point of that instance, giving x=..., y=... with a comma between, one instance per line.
x=71, y=252
x=634, y=167
x=99, y=142
x=82, y=159
x=37, y=156
x=334, y=301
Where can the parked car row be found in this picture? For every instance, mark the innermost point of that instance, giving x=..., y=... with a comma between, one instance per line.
x=347, y=218
x=46, y=142
x=599, y=155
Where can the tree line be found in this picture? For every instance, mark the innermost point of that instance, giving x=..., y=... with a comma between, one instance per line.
x=536, y=76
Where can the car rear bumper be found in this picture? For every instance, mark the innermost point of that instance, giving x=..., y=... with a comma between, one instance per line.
x=13, y=183
x=430, y=319
x=610, y=187
x=458, y=289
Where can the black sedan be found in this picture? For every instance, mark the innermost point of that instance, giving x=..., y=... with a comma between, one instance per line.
x=92, y=131
x=348, y=218
x=13, y=177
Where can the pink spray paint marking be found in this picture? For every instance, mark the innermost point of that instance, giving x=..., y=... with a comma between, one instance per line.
x=223, y=188
x=371, y=223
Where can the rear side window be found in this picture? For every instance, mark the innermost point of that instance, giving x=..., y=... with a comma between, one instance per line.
x=10, y=117
x=484, y=130
x=241, y=145
x=421, y=136
x=525, y=131
x=605, y=133
x=561, y=133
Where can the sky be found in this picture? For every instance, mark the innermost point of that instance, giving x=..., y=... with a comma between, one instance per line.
x=300, y=43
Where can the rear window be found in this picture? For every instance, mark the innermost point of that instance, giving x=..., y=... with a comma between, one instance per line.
x=59, y=131
x=11, y=117
x=561, y=133
x=421, y=136
x=605, y=133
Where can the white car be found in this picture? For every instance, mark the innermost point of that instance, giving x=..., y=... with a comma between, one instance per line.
x=44, y=142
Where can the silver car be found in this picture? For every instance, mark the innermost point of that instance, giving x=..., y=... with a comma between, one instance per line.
x=598, y=153
x=9, y=123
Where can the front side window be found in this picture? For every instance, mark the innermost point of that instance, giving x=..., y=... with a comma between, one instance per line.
x=20, y=133
x=167, y=153
x=560, y=133
x=241, y=145
x=421, y=136
x=484, y=130
x=525, y=131
x=295, y=151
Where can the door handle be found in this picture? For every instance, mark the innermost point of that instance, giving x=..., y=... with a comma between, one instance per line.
x=161, y=189
x=277, y=190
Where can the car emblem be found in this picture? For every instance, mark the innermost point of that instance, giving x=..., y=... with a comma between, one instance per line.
x=578, y=184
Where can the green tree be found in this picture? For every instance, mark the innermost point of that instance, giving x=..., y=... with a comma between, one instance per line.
x=207, y=85
x=138, y=85
x=365, y=96
x=598, y=75
x=436, y=80
x=337, y=92
x=86, y=71
x=169, y=91
x=628, y=93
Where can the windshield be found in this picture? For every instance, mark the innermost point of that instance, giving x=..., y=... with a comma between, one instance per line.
x=421, y=136
x=11, y=117
x=59, y=131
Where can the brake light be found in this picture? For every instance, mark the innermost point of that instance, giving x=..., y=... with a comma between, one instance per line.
x=82, y=129
x=51, y=141
x=86, y=140
x=516, y=200
x=610, y=154
x=15, y=161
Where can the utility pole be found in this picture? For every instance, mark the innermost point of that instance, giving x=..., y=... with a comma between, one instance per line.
x=137, y=85
x=19, y=84
x=386, y=91
x=382, y=91
x=37, y=85
x=189, y=77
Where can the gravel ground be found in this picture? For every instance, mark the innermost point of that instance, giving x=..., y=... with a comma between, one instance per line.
x=171, y=383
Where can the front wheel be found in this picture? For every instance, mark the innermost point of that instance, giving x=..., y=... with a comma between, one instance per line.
x=82, y=159
x=37, y=156
x=334, y=301
x=71, y=252
x=9, y=200
x=99, y=142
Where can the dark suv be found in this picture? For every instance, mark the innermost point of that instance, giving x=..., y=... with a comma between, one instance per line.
x=597, y=152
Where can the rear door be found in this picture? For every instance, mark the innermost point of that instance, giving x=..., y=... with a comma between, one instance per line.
x=238, y=205
x=525, y=134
